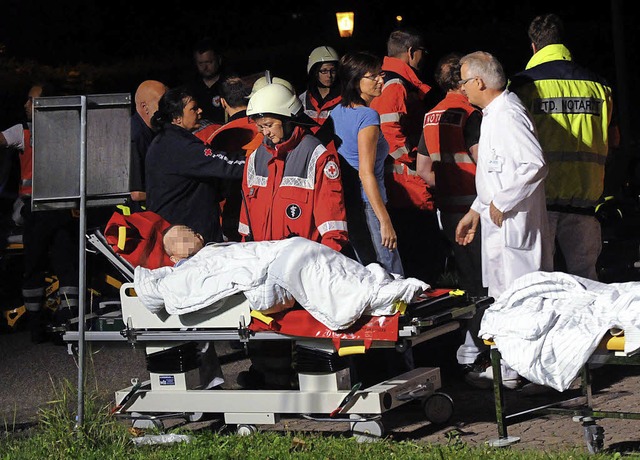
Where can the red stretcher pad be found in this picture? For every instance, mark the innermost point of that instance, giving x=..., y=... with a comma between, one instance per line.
x=299, y=322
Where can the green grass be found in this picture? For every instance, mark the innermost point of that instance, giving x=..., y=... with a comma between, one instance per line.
x=103, y=437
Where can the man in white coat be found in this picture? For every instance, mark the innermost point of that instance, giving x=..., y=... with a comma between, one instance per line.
x=511, y=199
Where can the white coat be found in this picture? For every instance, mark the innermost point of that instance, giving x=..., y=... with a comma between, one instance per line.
x=510, y=172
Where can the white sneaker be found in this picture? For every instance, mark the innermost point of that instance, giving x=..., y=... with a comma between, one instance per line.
x=484, y=378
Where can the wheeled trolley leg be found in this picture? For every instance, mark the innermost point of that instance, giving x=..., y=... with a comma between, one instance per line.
x=501, y=417
x=593, y=433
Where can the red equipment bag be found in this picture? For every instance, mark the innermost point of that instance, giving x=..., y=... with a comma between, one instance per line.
x=137, y=238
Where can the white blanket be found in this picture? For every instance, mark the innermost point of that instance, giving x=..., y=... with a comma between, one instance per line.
x=334, y=289
x=547, y=325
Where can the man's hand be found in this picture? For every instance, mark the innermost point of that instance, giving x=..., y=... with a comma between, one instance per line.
x=467, y=227
x=496, y=215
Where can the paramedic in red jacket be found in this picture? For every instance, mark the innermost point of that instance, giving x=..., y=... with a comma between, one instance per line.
x=402, y=107
x=291, y=184
x=292, y=187
x=323, y=89
x=239, y=135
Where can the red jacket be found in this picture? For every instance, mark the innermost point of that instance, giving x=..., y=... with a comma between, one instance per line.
x=401, y=110
x=238, y=134
x=453, y=165
x=319, y=110
x=294, y=189
x=26, y=165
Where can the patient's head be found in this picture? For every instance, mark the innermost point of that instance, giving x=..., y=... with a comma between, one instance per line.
x=181, y=242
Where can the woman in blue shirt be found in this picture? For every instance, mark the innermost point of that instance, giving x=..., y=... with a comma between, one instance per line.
x=364, y=148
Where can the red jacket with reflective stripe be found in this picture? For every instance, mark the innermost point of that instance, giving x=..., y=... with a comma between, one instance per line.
x=318, y=110
x=401, y=110
x=294, y=188
x=453, y=165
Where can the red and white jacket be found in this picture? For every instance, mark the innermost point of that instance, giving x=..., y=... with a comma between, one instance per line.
x=401, y=110
x=454, y=167
x=294, y=188
x=319, y=110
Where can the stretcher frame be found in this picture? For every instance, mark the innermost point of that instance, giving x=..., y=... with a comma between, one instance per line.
x=610, y=351
x=180, y=394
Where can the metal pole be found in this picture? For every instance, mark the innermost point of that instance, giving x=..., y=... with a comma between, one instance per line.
x=82, y=260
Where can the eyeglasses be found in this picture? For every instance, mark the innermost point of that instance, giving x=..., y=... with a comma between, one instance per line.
x=376, y=76
x=466, y=80
x=328, y=71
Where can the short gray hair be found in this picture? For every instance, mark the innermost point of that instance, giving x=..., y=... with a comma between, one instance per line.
x=486, y=66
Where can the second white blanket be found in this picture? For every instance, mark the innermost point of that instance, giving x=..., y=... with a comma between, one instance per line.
x=547, y=325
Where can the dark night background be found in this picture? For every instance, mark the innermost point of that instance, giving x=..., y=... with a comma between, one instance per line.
x=115, y=45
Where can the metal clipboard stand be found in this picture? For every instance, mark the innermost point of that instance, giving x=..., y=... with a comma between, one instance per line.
x=82, y=150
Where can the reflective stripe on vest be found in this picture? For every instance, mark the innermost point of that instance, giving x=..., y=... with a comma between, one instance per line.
x=399, y=152
x=297, y=175
x=320, y=117
x=332, y=225
x=401, y=168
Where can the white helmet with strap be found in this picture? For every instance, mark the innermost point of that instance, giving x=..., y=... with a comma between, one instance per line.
x=274, y=98
x=262, y=82
x=322, y=54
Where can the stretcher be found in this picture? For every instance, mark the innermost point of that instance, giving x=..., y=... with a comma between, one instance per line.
x=324, y=393
x=610, y=351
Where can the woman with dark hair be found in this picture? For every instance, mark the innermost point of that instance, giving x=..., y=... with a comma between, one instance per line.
x=182, y=172
x=364, y=148
x=323, y=88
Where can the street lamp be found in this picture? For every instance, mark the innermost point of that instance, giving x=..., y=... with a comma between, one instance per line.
x=345, y=23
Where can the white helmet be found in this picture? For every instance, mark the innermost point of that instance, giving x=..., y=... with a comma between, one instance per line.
x=322, y=54
x=274, y=98
x=262, y=82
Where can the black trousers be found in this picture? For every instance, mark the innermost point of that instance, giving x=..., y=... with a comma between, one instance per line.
x=50, y=241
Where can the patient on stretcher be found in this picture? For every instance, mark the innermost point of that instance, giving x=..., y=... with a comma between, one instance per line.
x=273, y=275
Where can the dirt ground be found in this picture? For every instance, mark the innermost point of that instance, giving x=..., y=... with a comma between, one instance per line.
x=31, y=373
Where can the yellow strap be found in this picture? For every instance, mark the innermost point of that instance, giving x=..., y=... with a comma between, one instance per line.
x=113, y=282
x=400, y=305
x=126, y=210
x=261, y=316
x=122, y=237
x=457, y=292
x=352, y=350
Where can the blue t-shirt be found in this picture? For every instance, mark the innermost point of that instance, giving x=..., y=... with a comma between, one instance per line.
x=347, y=124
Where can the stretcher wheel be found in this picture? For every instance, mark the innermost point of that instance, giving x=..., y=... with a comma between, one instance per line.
x=593, y=433
x=246, y=430
x=438, y=408
x=196, y=417
x=369, y=431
